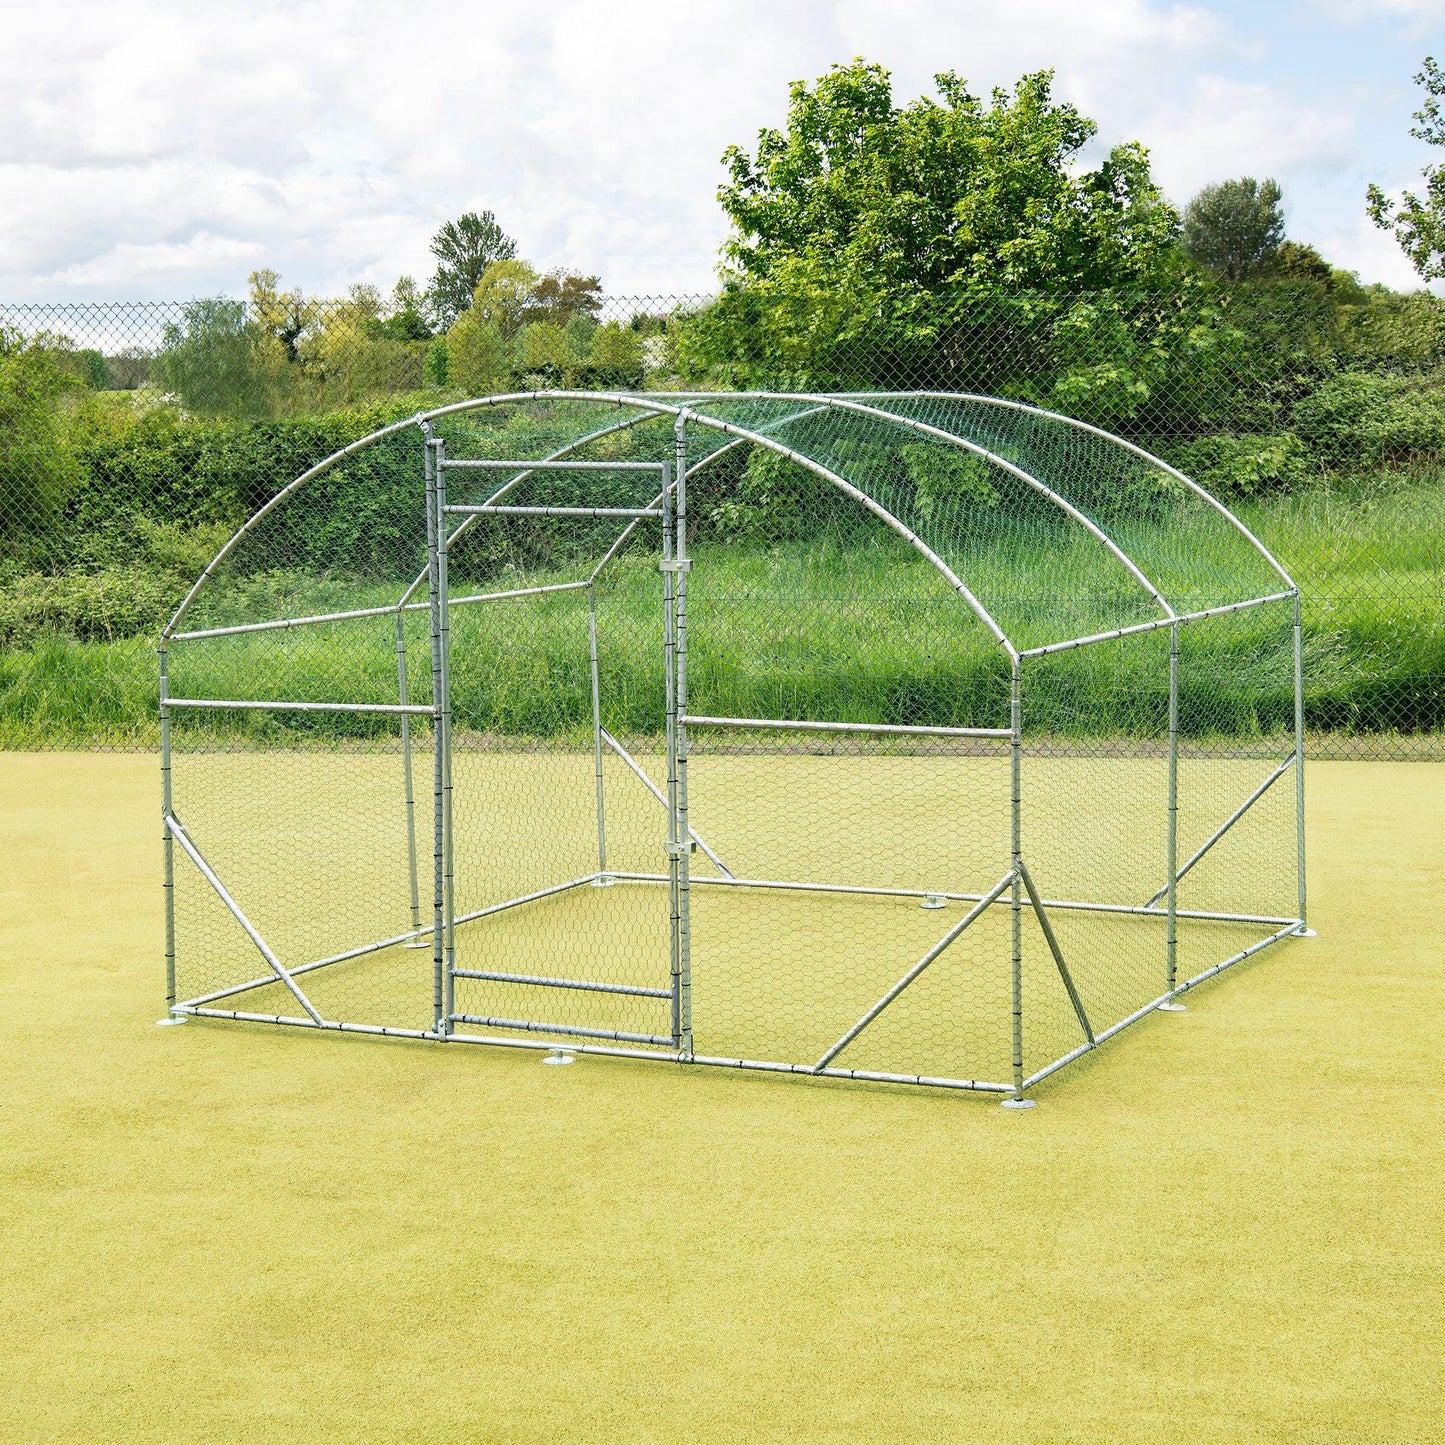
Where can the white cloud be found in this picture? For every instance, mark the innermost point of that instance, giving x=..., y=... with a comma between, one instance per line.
x=153, y=149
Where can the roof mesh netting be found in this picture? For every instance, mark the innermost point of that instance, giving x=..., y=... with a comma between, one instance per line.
x=1051, y=530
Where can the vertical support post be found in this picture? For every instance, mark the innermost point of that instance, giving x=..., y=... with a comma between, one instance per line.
x=1299, y=767
x=669, y=686
x=434, y=523
x=448, y=869
x=168, y=842
x=596, y=727
x=1016, y=745
x=407, y=773
x=1171, y=945
x=682, y=832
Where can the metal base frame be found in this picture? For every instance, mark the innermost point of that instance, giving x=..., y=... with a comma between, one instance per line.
x=607, y=1043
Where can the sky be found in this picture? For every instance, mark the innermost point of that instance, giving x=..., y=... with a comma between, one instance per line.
x=156, y=151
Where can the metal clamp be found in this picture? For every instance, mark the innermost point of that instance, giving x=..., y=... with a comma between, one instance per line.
x=671, y=565
x=676, y=850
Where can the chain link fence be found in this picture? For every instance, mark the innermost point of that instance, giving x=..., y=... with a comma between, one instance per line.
x=135, y=438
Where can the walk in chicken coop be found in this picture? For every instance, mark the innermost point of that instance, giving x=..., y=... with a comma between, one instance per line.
x=923, y=739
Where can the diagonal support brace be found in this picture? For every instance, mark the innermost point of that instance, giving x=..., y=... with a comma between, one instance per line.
x=984, y=903
x=262, y=947
x=1057, y=952
x=1228, y=823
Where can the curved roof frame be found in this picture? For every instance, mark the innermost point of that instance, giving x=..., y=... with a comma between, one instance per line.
x=651, y=406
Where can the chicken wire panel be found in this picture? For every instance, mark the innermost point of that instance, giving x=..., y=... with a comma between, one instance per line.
x=1236, y=718
x=782, y=972
x=1095, y=816
x=351, y=537
x=1192, y=551
x=1035, y=568
x=312, y=845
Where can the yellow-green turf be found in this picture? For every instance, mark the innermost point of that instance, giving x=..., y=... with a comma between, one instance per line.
x=1229, y=1224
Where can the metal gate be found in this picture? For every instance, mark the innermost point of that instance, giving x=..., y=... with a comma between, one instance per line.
x=591, y=954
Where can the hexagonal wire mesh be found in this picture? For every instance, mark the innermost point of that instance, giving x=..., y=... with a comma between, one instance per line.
x=920, y=738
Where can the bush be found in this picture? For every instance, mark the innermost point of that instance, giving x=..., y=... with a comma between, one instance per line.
x=1364, y=419
x=1245, y=466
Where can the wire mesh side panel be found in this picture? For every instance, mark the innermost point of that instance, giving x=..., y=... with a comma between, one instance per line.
x=1238, y=779
x=1094, y=834
x=829, y=863
x=313, y=814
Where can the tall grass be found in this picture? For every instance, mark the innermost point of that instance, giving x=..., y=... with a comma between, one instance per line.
x=856, y=632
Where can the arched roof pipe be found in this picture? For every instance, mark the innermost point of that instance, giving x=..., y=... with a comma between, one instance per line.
x=1108, y=436
x=952, y=438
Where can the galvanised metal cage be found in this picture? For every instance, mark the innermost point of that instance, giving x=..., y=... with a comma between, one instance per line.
x=904, y=737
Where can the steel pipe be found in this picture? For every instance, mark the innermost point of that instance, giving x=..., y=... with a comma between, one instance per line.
x=948, y=938
x=564, y=1030
x=262, y=947
x=657, y=793
x=486, y=509
x=1224, y=827
x=254, y=706
x=796, y=725
x=1135, y=628
x=543, y=981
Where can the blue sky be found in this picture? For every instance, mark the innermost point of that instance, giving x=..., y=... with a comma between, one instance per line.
x=150, y=149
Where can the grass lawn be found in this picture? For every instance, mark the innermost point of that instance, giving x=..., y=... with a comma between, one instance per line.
x=1224, y=1226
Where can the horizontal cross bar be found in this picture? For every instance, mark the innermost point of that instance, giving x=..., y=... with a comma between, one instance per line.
x=1153, y=626
x=382, y=707
x=541, y=981
x=1065, y=904
x=450, y=463
x=570, y=1030
x=281, y=623
x=793, y=725
x=485, y=509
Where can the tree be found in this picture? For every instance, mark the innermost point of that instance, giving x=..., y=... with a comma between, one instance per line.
x=283, y=317
x=1297, y=261
x=1235, y=228
x=615, y=356
x=1419, y=226
x=880, y=205
x=464, y=248
x=506, y=295
x=208, y=360
x=403, y=318
x=38, y=468
x=563, y=295
x=872, y=242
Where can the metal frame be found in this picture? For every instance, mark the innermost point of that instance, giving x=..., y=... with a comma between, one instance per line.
x=1016, y=890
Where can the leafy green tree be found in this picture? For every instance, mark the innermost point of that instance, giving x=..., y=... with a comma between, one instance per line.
x=900, y=202
x=477, y=356
x=38, y=468
x=615, y=355
x=506, y=295
x=209, y=360
x=282, y=317
x=464, y=248
x=1235, y=228
x=868, y=228
x=403, y=318
x=1419, y=226
x=1297, y=261
x=561, y=295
